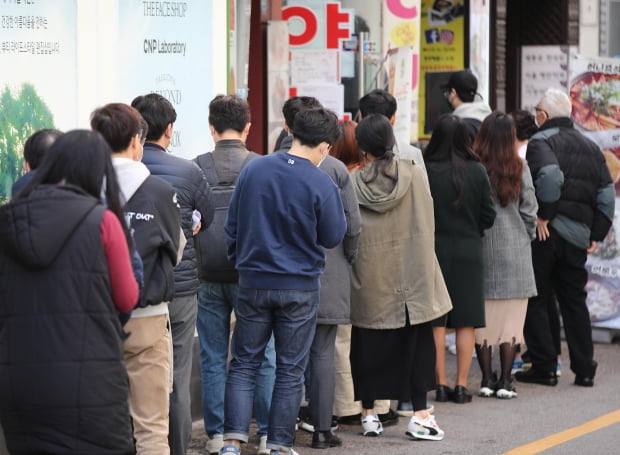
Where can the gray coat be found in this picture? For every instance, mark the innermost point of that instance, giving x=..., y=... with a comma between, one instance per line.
x=508, y=270
x=335, y=282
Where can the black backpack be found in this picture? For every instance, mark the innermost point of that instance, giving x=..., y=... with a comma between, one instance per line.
x=212, y=250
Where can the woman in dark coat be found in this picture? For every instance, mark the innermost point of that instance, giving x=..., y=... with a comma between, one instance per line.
x=463, y=210
x=65, y=273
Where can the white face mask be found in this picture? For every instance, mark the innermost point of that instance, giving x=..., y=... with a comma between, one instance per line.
x=322, y=159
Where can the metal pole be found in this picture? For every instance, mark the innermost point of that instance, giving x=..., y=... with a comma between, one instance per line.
x=363, y=37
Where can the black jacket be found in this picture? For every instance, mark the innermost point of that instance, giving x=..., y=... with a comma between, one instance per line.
x=573, y=185
x=155, y=218
x=63, y=383
x=193, y=193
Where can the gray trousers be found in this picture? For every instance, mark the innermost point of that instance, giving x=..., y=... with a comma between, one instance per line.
x=322, y=376
x=183, y=311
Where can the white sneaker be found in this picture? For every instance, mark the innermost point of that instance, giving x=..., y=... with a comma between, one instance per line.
x=372, y=425
x=424, y=429
x=262, y=446
x=215, y=443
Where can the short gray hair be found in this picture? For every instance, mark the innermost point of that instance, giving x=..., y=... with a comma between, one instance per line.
x=556, y=103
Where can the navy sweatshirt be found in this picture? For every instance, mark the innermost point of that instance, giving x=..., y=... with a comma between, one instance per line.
x=283, y=211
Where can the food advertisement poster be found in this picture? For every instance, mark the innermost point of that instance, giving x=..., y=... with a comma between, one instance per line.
x=442, y=45
x=38, y=87
x=164, y=51
x=594, y=89
x=401, y=29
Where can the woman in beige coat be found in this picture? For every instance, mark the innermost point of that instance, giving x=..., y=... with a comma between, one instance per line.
x=396, y=287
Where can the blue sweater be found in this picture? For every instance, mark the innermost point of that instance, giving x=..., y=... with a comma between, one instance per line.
x=283, y=211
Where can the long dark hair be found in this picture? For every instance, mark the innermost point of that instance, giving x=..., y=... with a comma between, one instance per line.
x=451, y=143
x=497, y=147
x=81, y=158
x=374, y=135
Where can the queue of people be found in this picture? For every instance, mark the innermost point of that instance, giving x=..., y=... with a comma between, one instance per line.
x=344, y=257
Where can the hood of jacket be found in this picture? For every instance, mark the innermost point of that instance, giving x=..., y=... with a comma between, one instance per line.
x=478, y=110
x=34, y=230
x=382, y=194
x=131, y=174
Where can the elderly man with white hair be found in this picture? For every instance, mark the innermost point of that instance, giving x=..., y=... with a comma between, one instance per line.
x=575, y=209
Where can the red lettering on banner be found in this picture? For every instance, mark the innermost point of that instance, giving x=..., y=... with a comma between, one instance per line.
x=334, y=18
x=311, y=24
x=397, y=8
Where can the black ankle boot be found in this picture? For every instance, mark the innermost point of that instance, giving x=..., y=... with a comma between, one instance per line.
x=325, y=440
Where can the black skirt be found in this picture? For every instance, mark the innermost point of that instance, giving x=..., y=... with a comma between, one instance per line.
x=393, y=364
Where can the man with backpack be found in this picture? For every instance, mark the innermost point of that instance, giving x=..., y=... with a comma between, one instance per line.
x=229, y=122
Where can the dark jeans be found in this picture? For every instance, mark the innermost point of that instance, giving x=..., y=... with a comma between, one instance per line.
x=559, y=268
x=291, y=316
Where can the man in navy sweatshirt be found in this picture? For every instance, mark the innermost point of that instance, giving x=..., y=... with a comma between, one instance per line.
x=283, y=212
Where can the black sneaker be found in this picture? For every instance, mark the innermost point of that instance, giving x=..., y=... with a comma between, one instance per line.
x=389, y=418
x=355, y=419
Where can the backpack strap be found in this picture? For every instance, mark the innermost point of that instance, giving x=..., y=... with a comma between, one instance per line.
x=206, y=163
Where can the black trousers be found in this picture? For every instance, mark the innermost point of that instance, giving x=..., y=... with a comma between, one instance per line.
x=560, y=273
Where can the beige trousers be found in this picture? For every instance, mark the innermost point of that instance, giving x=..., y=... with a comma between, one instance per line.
x=344, y=399
x=148, y=354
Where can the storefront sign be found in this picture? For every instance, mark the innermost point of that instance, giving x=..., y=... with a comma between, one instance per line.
x=318, y=25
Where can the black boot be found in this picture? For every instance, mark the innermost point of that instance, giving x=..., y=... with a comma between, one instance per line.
x=325, y=440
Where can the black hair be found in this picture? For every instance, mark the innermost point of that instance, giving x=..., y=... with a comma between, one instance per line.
x=118, y=123
x=229, y=112
x=451, y=143
x=295, y=104
x=313, y=126
x=378, y=101
x=524, y=123
x=158, y=113
x=37, y=144
x=375, y=135
x=81, y=158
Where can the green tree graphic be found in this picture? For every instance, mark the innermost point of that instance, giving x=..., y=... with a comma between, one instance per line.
x=20, y=116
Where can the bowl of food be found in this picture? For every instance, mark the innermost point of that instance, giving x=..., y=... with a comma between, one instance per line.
x=595, y=99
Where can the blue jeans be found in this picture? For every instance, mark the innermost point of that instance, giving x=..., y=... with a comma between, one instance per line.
x=291, y=315
x=215, y=304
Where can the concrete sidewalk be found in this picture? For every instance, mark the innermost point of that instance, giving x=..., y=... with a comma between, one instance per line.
x=492, y=426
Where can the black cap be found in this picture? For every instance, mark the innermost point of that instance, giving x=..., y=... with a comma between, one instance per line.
x=464, y=82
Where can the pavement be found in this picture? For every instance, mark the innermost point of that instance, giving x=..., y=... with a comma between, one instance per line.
x=561, y=420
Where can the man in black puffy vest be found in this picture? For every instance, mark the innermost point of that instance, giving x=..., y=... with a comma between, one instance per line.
x=576, y=201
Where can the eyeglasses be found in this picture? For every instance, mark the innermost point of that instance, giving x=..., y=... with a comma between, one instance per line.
x=537, y=110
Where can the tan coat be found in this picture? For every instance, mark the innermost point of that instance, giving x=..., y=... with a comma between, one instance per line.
x=396, y=267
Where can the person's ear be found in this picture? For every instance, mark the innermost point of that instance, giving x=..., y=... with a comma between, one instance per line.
x=135, y=146
x=168, y=131
x=393, y=119
x=246, y=131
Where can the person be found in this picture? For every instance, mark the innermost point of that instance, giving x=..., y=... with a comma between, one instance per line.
x=383, y=102
x=65, y=274
x=34, y=149
x=396, y=285
x=346, y=149
x=154, y=218
x=507, y=256
x=526, y=128
x=460, y=92
x=333, y=304
x=193, y=194
x=464, y=208
x=283, y=212
x=229, y=122
x=576, y=200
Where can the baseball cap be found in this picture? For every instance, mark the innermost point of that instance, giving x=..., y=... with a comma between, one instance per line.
x=464, y=82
